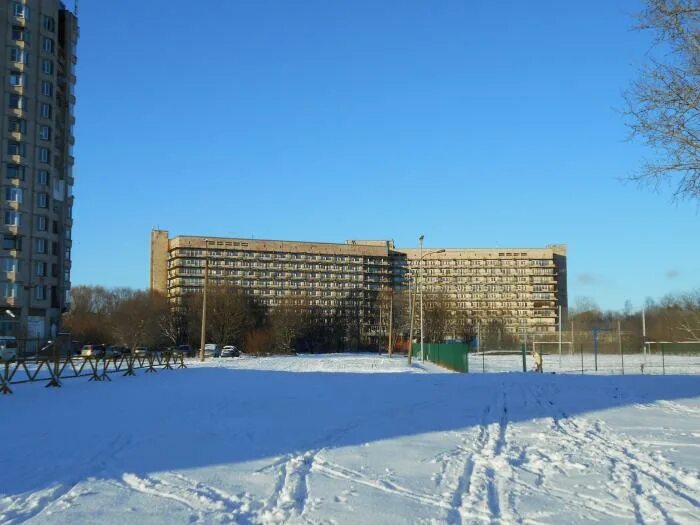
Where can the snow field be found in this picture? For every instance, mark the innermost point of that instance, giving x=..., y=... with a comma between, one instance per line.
x=352, y=439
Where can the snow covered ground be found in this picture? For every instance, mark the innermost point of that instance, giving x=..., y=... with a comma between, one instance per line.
x=354, y=439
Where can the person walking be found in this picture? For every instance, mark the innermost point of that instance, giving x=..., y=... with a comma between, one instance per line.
x=537, y=357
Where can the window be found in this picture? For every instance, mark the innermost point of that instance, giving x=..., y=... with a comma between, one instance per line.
x=46, y=88
x=40, y=268
x=19, y=55
x=45, y=110
x=10, y=290
x=20, y=34
x=16, y=125
x=16, y=148
x=42, y=177
x=16, y=78
x=13, y=194
x=42, y=223
x=45, y=155
x=15, y=171
x=47, y=66
x=44, y=132
x=12, y=218
x=10, y=264
x=48, y=24
x=17, y=101
x=47, y=44
x=40, y=293
x=20, y=10
x=40, y=245
x=42, y=200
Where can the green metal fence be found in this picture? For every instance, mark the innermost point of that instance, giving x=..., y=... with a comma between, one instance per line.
x=449, y=355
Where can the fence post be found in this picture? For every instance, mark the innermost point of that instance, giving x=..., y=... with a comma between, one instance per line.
x=483, y=361
x=581, y=359
x=466, y=359
x=622, y=358
x=663, y=359
x=522, y=349
x=54, y=382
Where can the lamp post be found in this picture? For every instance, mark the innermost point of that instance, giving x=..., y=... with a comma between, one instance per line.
x=418, y=285
x=204, y=301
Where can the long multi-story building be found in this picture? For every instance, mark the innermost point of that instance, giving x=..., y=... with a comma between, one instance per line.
x=38, y=81
x=513, y=286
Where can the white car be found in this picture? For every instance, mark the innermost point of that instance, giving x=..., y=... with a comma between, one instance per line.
x=8, y=348
x=230, y=351
x=212, y=350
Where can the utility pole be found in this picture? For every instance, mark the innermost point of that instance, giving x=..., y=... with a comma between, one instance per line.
x=420, y=290
x=203, y=334
x=412, y=309
x=391, y=320
x=559, y=337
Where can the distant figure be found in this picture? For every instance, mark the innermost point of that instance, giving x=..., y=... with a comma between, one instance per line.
x=537, y=357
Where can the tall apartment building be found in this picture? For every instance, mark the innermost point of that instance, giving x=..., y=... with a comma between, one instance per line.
x=38, y=81
x=516, y=287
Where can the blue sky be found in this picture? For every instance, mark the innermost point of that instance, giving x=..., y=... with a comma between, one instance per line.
x=478, y=124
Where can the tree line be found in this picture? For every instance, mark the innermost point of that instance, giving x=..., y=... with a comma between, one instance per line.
x=139, y=317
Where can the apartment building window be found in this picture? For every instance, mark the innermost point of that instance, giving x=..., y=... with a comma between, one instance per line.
x=40, y=268
x=45, y=110
x=16, y=78
x=42, y=200
x=11, y=242
x=46, y=88
x=48, y=24
x=16, y=148
x=40, y=293
x=42, y=177
x=13, y=218
x=47, y=44
x=19, y=55
x=15, y=171
x=45, y=155
x=20, y=10
x=42, y=223
x=47, y=66
x=44, y=132
x=16, y=125
x=10, y=290
x=40, y=245
x=20, y=34
x=10, y=264
x=14, y=194
x=16, y=101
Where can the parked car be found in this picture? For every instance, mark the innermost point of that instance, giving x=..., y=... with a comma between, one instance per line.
x=92, y=351
x=114, y=351
x=230, y=351
x=186, y=350
x=8, y=348
x=141, y=351
x=212, y=350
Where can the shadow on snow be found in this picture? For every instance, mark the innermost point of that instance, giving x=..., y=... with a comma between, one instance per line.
x=213, y=416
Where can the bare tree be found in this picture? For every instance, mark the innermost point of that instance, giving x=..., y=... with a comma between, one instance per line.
x=662, y=106
x=436, y=318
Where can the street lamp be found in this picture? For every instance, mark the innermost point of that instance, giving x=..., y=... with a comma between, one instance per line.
x=203, y=333
x=420, y=287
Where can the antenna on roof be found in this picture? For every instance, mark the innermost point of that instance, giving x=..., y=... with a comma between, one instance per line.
x=75, y=7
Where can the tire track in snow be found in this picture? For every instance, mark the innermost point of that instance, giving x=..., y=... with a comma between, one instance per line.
x=643, y=474
x=205, y=501
x=333, y=470
x=29, y=505
x=291, y=490
x=489, y=473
